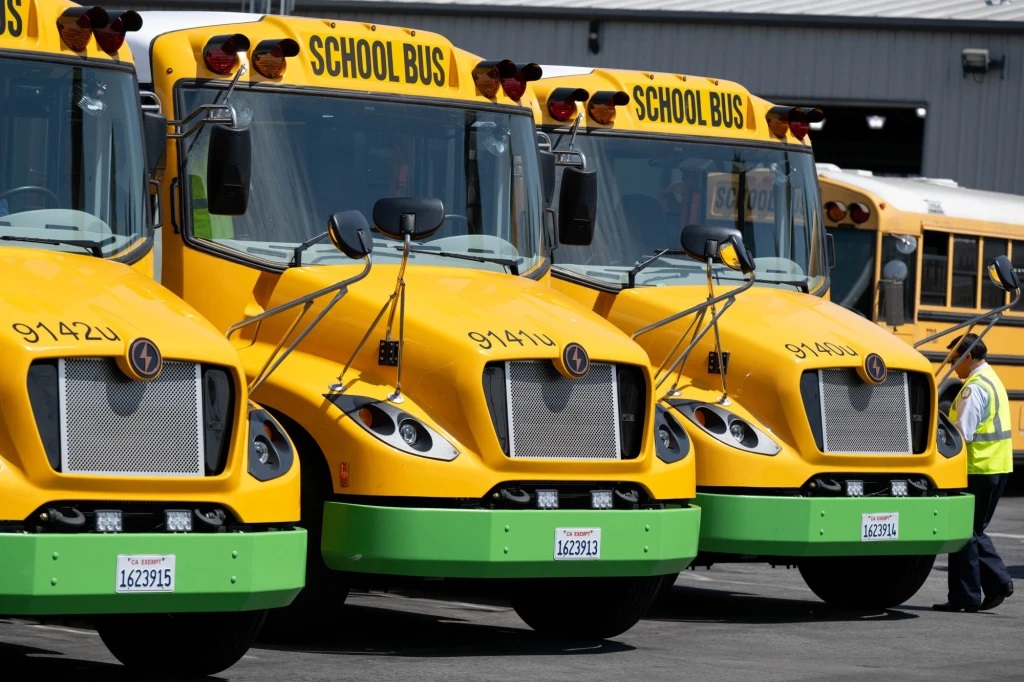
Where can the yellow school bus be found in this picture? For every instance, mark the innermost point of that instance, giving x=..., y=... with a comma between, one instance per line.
x=817, y=439
x=914, y=253
x=131, y=483
x=456, y=417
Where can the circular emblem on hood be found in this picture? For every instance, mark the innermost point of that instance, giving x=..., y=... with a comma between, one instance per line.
x=143, y=360
x=575, y=363
x=875, y=370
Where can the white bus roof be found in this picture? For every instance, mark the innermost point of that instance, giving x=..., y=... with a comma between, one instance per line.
x=157, y=23
x=933, y=196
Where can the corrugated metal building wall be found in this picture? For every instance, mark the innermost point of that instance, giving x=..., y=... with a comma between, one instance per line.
x=973, y=130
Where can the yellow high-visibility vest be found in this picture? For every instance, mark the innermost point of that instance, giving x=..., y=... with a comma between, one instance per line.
x=991, y=449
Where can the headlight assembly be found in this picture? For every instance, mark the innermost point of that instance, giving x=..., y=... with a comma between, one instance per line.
x=671, y=443
x=397, y=428
x=726, y=427
x=270, y=452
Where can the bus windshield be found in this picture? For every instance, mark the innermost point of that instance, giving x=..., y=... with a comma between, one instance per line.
x=651, y=188
x=72, y=175
x=316, y=154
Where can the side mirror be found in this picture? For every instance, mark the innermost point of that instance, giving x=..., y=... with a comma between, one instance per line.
x=735, y=256
x=719, y=243
x=418, y=217
x=577, y=207
x=154, y=128
x=228, y=170
x=547, y=173
x=350, y=233
x=1001, y=272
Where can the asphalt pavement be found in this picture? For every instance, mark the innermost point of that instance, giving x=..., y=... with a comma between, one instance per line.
x=732, y=622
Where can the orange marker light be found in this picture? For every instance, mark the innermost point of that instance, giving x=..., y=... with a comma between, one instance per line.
x=835, y=211
x=343, y=480
x=270, y=56
x=76, y=24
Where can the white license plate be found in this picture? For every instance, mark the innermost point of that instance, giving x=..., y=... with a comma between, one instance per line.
x=875, y=527
x=144, y=573
x=577, y=543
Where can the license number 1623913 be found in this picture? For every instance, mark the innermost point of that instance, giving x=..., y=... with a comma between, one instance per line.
x=577, y=543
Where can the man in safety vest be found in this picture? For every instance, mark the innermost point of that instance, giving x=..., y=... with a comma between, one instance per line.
x=982, y=413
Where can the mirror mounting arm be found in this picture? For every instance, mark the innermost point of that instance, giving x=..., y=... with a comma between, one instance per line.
x=208, y=111
x=278, y=356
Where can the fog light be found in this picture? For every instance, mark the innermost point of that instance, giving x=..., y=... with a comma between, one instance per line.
x=178, y=520
x=898, y=488
x=738, y=430
x=601, y=499
x=109, y=521
x=547, y=499
x=409, y=432
x=855, y=488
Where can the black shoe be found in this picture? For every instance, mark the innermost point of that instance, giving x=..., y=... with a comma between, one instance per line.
x=953, y=608
x=994, y=600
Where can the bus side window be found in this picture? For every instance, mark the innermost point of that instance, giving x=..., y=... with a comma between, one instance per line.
x=965, y=272
x=991, y=295
x=1018, y=265
x=935, y=259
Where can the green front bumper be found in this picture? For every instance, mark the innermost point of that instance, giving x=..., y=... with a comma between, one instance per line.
x=49, y=574
x=831, y=526
x=482, y=543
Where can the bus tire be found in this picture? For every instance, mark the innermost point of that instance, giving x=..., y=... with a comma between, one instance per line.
x=584, y=608
x=180, y=645
x=867, y=582
x=326, y=590
x=668, y=582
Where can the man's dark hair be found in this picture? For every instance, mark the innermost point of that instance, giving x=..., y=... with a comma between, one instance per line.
x=964, y=342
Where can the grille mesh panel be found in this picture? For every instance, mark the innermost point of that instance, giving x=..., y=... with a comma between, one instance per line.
x=553, y=417
x=861, y=417
x=113, y=425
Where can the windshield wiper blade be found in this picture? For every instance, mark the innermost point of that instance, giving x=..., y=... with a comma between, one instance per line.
x=799, y=284
x=643, y=264
x=95, y=248
x=512, y=265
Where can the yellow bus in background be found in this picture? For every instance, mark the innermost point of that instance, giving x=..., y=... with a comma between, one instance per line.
x=138, y=484
x=456, y=417
x=817, y=438
x=912, y=258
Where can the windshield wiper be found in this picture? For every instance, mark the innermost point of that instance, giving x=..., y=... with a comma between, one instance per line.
x=512, y=265
x=643, y=264
x=798, y=283
x=297, y=252
x=95, y=248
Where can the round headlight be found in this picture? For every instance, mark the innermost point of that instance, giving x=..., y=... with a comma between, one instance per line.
x=738, y=430
x=409, y=432
x=663, y=434
x=261, y=450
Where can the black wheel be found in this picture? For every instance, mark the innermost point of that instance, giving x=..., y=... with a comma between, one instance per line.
x=326, y=590
x=180, y=644
x=867, y=582
x=665, y=588
x=584, y=608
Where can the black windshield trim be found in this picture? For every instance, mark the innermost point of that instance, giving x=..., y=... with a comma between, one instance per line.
x=233, y=256
x=139, y=249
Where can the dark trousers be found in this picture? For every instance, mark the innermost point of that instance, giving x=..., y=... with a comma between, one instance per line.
x=977, y=567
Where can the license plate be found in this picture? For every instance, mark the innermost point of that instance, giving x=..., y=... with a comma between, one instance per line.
x=144, y=573
x=875, y=527
x=577, y=543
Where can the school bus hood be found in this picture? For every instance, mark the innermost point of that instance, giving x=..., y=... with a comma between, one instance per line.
x=469, y=316
x=766, y=331
x=62, y=305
